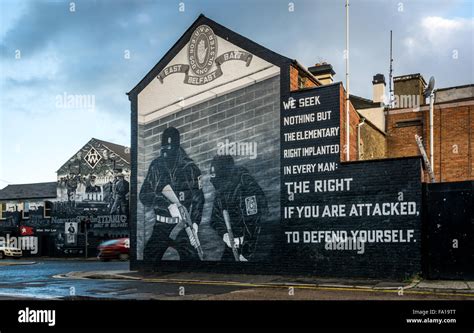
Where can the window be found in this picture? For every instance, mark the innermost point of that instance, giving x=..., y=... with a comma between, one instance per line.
x=3, y=209
x=26, y=210
x=48, y=205
x=408, y=123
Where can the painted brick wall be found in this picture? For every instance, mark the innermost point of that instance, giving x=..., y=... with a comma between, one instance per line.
x=250, y=114
x=374, y=181
x=306, y=214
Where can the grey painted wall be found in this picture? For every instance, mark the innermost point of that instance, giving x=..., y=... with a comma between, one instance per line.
x=251, y=115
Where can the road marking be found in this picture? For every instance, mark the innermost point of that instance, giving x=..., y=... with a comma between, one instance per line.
x=298, y=286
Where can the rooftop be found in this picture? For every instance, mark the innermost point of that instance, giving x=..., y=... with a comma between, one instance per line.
x=122, y=151
x=29, y=191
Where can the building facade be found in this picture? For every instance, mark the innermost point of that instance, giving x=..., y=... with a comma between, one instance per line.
x=407, y=115
x=239, y=165
x=89, y=201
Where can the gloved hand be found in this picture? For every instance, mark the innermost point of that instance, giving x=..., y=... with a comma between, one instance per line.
x=237, y=241
x=193, y=241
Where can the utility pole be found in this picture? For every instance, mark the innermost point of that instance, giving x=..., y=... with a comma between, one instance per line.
x=86, y=239
x=390, y=92
x=86, y=236
x=347, y=83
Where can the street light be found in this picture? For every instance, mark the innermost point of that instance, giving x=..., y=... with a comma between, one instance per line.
x=430, y=92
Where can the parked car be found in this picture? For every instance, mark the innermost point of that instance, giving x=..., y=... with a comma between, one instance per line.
x=114, y=249
x=10, y=251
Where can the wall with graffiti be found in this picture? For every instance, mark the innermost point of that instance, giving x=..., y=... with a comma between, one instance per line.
x=236, y=173
x=90, y=198
x=92, y=192
x=28, y=221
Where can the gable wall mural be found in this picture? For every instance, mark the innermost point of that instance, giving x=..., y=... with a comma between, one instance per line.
x=235, y=173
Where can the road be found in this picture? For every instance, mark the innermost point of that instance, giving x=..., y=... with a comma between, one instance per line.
x=38, y=281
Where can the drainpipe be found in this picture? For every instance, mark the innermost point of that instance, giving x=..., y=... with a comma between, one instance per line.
x=359, y=125
x=432, y=100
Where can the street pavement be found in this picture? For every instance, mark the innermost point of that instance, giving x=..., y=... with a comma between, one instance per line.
x=39, y=280
x=81, y=279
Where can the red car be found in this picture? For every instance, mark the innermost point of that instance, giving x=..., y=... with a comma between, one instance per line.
x=114, y=249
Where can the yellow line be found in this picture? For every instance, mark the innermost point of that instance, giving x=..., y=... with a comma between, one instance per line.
x=299, y=286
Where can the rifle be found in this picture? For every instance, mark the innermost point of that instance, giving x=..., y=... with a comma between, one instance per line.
x=185, y=218
x=231, y=234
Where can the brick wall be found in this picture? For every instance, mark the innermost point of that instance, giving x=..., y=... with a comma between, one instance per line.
x=404, y=89
x=373, y=144
x=296, y=75
x=454, y=150
x=354, y=119
x=250, y=114
x=453, y=135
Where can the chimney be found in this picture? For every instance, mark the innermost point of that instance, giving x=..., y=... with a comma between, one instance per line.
x=323, y=72
x=408, y=90
x=378, y=92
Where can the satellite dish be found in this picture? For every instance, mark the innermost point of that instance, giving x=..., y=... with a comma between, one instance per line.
x=430, y=87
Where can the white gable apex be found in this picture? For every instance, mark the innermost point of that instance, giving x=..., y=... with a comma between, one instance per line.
x=206, y=67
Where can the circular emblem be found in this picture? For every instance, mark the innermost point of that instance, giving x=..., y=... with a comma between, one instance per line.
x=202, y=50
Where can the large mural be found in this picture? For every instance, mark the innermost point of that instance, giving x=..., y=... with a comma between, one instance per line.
x=208, y=187
x=92, y=191
x=233, y=167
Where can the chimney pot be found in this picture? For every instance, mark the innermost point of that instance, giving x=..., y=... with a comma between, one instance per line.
x=323, y=72
x=378, y=92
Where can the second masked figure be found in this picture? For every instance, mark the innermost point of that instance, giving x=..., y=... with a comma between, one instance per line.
x=239, y=208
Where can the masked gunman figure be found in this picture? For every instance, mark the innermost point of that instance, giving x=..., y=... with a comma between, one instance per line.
x=173, y=175
x=239, y=208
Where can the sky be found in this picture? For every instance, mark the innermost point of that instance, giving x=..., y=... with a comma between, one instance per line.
x=53, y=50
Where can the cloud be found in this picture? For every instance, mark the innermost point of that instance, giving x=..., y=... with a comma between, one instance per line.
x=439, y=46
x=437, y=24
x=82, y=52
x=439, y=32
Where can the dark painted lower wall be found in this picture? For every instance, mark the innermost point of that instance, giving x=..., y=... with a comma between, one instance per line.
x=448, y=230
x=392, y=241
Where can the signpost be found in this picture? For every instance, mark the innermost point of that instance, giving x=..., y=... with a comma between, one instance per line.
x=71, y=232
